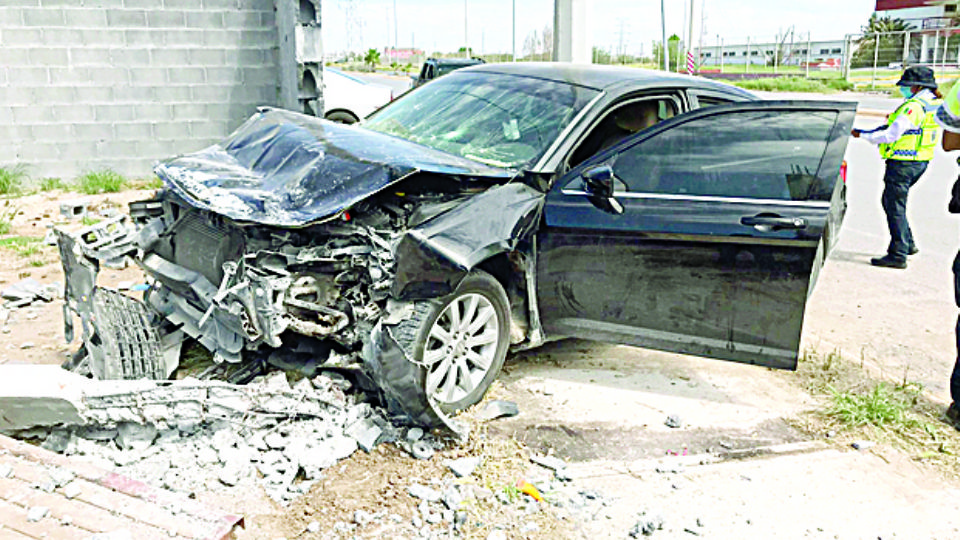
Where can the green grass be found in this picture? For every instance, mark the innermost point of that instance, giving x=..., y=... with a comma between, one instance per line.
x=152, y=182
x=795, y=84
x=24, y=246
x=89, y=220
x=105, y=181
x=50, y=184
x=12, y=179
x=883, y=406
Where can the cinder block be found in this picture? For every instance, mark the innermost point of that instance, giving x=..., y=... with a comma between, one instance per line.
x=184, y=4
x=256, y=5
x=241, y=19
x=113, y=113
x=140, y=4
x=6, y=117
x=133, y=94
x=129, y=57
x=61, y=3
x=11, y=96
x=171, y=130
x=53, y=133
x=22, y=36
x=157, y=149
x=78, y=113
x=184, y=75
x=220, y=4
x=249, y=57
x=111, y=148
x=206, y=57
x=22, y=3
x=31, y=151
x=174, y=94
x=43, y=17
x=169, y=57
x=209, y=129
x=126, y=18
x=268, y=19
x=48, y=56
x=51, y=95
x=98, y=4
x=204, y=19
x=222, y=38
x=77, y=152
x=84, y=17
x=143, y=38
x=182, y=37
x=62, y=36
x=147, y=76
x=29, y=76
x=94, y=94
x=10, y=17
x=93, y=132
x=261, y=39
x=212, y=93
x=90, y=56
x=102, y=37
x=16, y=56
x=70, y=76
x=260, y=75
x=189, y=111
x=165, y=19
x=224, y=75
x=133, y=131
x=14, y=132
x=33, y=115
x=109, y=75
x=155, y=111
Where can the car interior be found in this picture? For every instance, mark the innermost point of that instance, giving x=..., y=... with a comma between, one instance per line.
x=623, y=121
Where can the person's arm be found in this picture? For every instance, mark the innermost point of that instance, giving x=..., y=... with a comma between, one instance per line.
x=892, y=132
x=951, y=140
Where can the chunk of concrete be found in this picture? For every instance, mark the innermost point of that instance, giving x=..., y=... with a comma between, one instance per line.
x=366, y=433
x=37, y=395
x=498, y=408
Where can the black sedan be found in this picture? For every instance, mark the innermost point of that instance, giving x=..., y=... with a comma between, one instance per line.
x=496, y=208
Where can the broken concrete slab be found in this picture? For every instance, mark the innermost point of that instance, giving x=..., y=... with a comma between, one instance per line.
x=464, y=466
x=26, y=289
x=35, y=395
x=498, y=408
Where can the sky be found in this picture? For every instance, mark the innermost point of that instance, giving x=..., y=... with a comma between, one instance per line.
x=628, y=25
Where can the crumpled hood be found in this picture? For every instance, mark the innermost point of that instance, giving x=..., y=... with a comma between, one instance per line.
x=286, y=169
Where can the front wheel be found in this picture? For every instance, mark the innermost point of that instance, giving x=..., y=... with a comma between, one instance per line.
x=457, y=344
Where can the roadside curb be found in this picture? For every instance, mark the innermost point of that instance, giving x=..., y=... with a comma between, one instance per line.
x=677, y=463
x=872, y=112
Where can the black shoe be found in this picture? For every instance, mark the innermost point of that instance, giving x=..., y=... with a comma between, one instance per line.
x=913, y=250
x=888, y=262
x=953, y=415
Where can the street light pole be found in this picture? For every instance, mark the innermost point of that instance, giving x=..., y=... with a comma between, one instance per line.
x=466, y=39
x=663, y=37
x=513, y=32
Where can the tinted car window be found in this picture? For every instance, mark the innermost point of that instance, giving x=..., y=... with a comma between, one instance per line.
x=501, y=120
x=756, y=154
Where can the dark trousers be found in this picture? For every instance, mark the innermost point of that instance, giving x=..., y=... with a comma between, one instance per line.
x=899, y=177
x=955, y=377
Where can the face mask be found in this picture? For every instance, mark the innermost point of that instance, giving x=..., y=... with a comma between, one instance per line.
x=905, y=91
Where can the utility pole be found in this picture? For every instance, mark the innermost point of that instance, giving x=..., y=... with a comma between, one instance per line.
x=395, y=40
x=663, y=37
x=466, y=39
x=513, y=33
x=690, y=42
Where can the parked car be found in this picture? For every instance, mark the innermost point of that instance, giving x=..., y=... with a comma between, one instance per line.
x=499, y=207
x=347, y=99
x=437, y=67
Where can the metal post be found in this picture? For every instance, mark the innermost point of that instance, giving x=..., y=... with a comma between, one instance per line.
x=936, y=48
x=689, y=55
x=466, y=39
x=663, y=37
x=943, y=57
x=748, y=54
x=809, y=44
x=906, y=49
x=876, y=54
x=846, y=57
x=513, y=35
x=776, y=53
x=720, y=46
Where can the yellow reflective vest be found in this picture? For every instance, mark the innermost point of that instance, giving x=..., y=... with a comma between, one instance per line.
x=916, y=144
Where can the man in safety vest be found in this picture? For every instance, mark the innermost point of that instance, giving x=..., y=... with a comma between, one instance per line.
x=906, y=142
x=948, y=116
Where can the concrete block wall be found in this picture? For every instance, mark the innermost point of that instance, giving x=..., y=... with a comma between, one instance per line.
x=93, y=84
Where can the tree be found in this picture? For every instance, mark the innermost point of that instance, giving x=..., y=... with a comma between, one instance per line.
x=601, y=56
x=673, y=52
x=890, y=31
x=372, y=58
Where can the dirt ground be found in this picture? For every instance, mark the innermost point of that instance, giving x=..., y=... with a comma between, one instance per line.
x=601, y=408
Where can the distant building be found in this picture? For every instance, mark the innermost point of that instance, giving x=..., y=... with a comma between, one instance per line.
x=402, y=54
x=817, y=53
x=929, y=18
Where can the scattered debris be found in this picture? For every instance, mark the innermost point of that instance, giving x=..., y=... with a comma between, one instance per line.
x=27, y=291
x=498, y=409
x=863, y=445
x=36, y=513
x=673, y=421
x=464, y=466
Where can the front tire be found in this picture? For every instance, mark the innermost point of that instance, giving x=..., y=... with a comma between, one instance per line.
x=457, y=343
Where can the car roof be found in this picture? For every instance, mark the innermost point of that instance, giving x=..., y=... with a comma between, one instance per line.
x=456, y=61
x=602, y=77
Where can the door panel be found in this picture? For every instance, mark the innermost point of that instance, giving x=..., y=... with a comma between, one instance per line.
x=723, y=212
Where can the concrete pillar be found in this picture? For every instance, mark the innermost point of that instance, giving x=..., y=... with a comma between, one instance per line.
x=924, y=48
x=300, y=56
x=571, y=29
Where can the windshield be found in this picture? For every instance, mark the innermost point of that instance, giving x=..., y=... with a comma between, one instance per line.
x=501, y=120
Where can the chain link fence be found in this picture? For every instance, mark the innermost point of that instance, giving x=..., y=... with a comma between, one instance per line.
x=877, y=59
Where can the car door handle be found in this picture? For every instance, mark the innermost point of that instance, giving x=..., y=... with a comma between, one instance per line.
x=774, y=222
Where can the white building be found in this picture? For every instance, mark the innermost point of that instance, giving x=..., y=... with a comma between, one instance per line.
x=769, y=53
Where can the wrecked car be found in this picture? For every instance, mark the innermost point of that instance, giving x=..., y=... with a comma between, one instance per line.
x=494, y=209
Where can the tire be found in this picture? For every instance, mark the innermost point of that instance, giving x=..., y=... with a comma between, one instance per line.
x=454, y=365
x=342, y=117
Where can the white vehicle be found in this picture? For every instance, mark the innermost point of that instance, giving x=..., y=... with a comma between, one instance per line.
x=348, y=99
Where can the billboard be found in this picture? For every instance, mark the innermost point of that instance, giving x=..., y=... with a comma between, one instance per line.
x=888, y=5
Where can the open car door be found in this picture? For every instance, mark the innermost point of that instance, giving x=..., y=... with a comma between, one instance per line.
x=701, y=235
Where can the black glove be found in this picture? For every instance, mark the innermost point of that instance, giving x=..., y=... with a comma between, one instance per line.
x=954, y=206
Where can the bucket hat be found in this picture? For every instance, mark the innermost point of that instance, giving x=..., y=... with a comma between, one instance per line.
x=918, y=76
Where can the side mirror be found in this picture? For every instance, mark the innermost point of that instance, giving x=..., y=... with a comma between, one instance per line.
x=598, y=183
